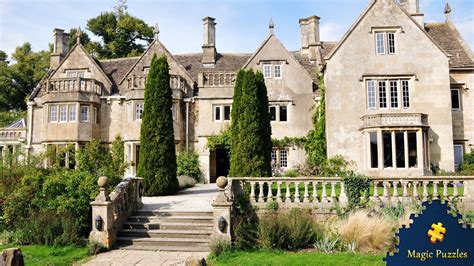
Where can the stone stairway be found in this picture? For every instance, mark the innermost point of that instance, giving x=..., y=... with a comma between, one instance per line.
x=167, y=230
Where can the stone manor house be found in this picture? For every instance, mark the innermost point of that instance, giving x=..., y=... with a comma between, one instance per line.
x=398, y=91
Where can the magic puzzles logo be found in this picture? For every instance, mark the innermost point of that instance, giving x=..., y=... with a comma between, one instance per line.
x=435, y=237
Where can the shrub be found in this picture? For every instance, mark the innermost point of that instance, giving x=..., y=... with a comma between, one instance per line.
x=327, y=244
x=188, y=165
x=245, y=232
x=290, y=173
x=219, y=245
x=356, y=186
x=95, y=248
x=367, y=231
x=272, y=206
x=291, y=231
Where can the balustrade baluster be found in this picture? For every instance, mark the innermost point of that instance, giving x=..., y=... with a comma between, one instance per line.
x=270, y=192
x=342, y=194
x=278, y=195
x=315, y=191
x=455, y=188
x=445, y=189
x=425, y=190
x=306, y=192
x=435, y=190
x=297, y=191
x=324, y=196
x=260, y=192
x=288, y=192
x=386, y=194
x=252, y=192
x=415, y=189
x=405, y=190
x=376, y=190
x=333, y=190
x=395, y=190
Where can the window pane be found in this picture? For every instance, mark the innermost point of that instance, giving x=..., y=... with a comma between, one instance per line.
x=400, y=146
x=387, y=149
x=72, y=113
x=371, y=94
x=406, y=94
x=455, y=102
x=54, y=113
x=394, y=94
x=274, y=158
x=217, y=113
x=94, y=115
x=138, y=111
x=458, y=155
x=63, y=113
x=374, y=158
x=278, y=71
x=283, y=158
x=272, y=113
x=383, y=94
x=391, y=42
x=380, y=42
x=227, y=112
x=412, y=149
x=84, y=113
x=283, y=113
x=267, y=71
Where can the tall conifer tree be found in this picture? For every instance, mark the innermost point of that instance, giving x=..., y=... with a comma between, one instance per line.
x=251, y=132
x=157, y=163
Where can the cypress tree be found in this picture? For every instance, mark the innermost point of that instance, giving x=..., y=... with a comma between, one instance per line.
x=251, y=137
x=235, y=114
x=157, y=151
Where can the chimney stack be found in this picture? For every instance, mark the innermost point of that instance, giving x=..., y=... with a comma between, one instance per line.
x=60, y=47
x=310, y=41
x=412, y=7
x=209, y=47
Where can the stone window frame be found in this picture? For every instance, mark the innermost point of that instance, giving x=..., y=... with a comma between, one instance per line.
x=462, y=153
x=280, y=70
x=61, y=118
x=138, y=109
x=459, y=91
x=87, y=113
x=95, y=114
x=53, y=118
x=277, y=107
x=72, y=109
x=389, y=39
x=220, y=109
x=277, y=155
x=403, y=97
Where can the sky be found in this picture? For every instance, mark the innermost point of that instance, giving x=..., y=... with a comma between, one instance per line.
x=242, y=25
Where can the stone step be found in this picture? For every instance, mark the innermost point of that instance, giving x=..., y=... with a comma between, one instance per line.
x=164, y=241
x=167, y=225
x=164, y=248
x=164, y=233
x=170, y=219
x=168, y=213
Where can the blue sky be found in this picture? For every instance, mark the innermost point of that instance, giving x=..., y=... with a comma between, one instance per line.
x=241, y=25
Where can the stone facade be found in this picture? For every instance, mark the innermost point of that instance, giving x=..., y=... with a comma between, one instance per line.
x=387, y=84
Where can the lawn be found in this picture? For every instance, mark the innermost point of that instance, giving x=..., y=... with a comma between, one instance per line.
x=48, y=255
x=292, y=258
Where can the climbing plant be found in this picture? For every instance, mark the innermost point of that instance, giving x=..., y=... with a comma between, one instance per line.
x=355, y=186
x=315, y=145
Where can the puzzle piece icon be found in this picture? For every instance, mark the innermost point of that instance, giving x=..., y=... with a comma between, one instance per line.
x=437, y=234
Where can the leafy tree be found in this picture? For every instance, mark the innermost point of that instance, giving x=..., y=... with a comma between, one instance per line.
x=251, y=139
x=316, y=141
x=157, y=151
x=120, y=32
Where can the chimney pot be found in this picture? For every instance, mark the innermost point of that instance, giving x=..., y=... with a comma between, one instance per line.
x=209, y=52
x=412, y=7
x=310, y=40
x=60, y=47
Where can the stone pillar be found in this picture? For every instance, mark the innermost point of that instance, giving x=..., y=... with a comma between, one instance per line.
x=103, y=230
x=12, y=257
x=222, y=212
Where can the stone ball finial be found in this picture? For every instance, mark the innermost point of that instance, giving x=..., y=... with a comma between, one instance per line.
x=103, y=182
x=221, y=182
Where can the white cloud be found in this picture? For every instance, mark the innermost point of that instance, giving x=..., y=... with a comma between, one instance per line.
x=331, y=31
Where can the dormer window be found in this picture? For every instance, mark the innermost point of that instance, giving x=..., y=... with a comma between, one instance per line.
x=267, y=71
x=385, y=43
x=272, y=71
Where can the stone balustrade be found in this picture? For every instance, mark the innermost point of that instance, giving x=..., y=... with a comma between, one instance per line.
x=324, y=191
x=109, y=211
x=135, y=82
x=12, y=134
x=217, y=79
x=75, y=85
x=395, y=119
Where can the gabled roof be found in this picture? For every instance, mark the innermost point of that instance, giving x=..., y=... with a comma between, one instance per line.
x=152, y=44
x=271, y=36
x=362, y=16
x=447, y=36
x=117, y=68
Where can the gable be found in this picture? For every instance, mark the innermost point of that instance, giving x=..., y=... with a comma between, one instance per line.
x=156, y=47
x=384, y=13
x=79, y=60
